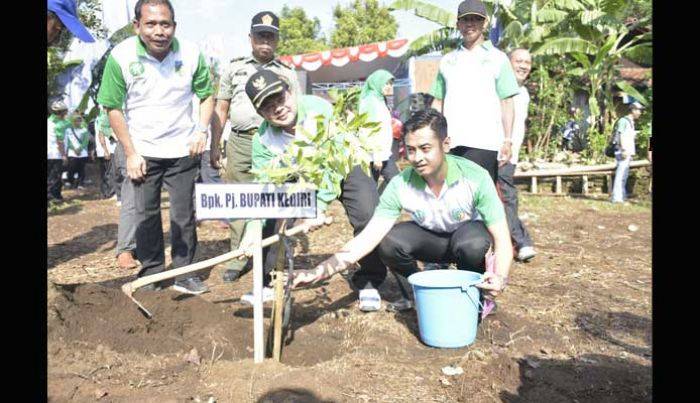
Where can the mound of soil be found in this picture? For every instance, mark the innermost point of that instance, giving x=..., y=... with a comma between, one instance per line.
x=99, y=315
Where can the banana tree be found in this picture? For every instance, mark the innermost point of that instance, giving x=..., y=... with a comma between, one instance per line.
x=598, y=42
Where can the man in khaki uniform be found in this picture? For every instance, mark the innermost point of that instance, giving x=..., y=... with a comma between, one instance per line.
x=232, y=102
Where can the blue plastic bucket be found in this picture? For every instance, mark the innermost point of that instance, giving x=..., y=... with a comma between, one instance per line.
x=447, y=304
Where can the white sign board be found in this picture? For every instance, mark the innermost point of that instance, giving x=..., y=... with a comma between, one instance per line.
x=253, y=200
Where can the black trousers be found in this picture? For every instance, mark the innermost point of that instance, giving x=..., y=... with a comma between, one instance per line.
x=509, y=192
x=54, y=184
x=76, y=165
x=408, y=242
x=359, y=197
x=177, y=175
x=486, y=159
x=106, y=184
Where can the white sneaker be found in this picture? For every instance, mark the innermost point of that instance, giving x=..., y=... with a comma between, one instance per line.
x=369, y=299
x=268, y=295
x=526, y=253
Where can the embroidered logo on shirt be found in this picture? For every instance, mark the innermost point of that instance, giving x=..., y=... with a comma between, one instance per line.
x=457, y=214
x=178, y=66
x=136, y=69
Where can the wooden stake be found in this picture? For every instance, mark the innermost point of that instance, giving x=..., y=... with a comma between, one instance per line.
x=258, y=336
x=279, y=295
x=584, y=185
x=533, y=185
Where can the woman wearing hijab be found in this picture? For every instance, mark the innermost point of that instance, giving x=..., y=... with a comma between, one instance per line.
x=372, y=102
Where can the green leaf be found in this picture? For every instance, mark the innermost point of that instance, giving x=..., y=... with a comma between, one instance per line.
x=562, y=46
x=425, y=10
x=551, y=15
x=641, y=54
x=631, y=91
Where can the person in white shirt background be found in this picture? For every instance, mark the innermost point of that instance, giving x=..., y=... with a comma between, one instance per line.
x=521, y=60
x=77, y=138
x=624, y=129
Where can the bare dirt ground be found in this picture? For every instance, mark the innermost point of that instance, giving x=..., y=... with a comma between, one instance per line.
x=573, y=326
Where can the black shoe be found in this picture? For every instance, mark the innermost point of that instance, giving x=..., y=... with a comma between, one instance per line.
x=192, y=285
x=231, y=275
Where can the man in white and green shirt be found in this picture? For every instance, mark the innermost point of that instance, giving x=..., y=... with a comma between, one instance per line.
x=285, y=115
x=147, y=88
x=456, y=215
x=625, y=133
x=474, y=89
x=55, y=149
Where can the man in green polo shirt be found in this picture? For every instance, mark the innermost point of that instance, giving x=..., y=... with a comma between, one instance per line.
x=147, y=87
x=474, y=89
x=455, y=210
x=233, y=103
x=285, y=116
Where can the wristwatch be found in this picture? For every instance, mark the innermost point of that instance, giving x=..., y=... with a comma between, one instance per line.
x=201, y=128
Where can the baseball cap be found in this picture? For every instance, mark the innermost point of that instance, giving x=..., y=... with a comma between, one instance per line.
x=471, y=7
x=636, y=105
x=265, y=21
x=262, y=85
x=58, y=106
x=65, y=10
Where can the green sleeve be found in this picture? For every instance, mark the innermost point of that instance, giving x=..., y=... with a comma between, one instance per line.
x=60, y=129
x=84, y=140
x=201, y=82
x=112, y=93
x=389, y=206
x=506, y=83
x=487, y=202
x=621, y=125
x=260, y=154
x=439, y=87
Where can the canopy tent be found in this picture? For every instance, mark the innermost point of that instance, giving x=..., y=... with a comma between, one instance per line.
x=343, y=68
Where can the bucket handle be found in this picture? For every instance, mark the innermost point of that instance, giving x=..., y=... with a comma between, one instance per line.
x=465, y=288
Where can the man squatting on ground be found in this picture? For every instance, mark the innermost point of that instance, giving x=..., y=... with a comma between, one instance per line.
x=285, y=114
x=233, y=103
x=147, y=88
x=522, y=63
x=474, y=89
x=455, y=210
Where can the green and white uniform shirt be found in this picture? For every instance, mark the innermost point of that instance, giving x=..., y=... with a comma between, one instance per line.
x=270, y=141
x=468, y=194
x=472, y=84
x=55, y=132
x=76, y=141
x=102, y=126
x=156, y=96
x=624, y=128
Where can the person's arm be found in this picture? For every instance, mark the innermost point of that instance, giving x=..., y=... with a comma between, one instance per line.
x=218, y=123
x=103, y=144
x=206, y=108
x=503, y=249
x=438, y=91
x=491, y=210
x=351, y=252
x=135, y=164
x=507, y=118
x=201, y=86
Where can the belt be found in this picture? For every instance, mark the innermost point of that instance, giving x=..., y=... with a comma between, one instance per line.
x=249, y=131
